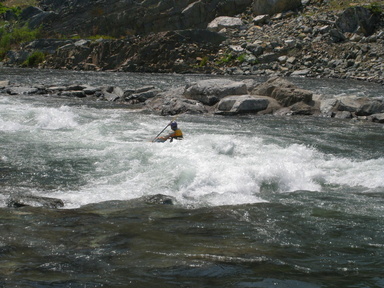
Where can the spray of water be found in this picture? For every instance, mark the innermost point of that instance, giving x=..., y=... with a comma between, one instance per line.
x=108, y=153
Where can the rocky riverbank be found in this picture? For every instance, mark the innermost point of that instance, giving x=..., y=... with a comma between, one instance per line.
x=276, y=96
x=310, y=40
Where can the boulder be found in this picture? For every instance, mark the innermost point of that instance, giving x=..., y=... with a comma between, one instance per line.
x=261, y=19
x=371, y=107
x=302, y=108
x=337, y=35
x=343, y=115
x=4, y=84
x=328, y=106
x=210, y=91
x=271, y=7
x=358, y=20
x=224, y=22
x=379, y=118
x=21, y=90
x=242, y=104
x=141, y=96
x=267, y=88
x=289, y=96
x=73, y=93
x=351, y=103
x=171, y=103
x=35, y=201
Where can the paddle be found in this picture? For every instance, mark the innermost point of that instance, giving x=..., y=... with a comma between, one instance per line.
x=173, y=119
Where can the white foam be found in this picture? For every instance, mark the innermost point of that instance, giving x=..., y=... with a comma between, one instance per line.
x=55, y=118
x=214, y=165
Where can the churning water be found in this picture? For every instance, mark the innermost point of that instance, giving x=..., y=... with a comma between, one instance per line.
x=259, y=201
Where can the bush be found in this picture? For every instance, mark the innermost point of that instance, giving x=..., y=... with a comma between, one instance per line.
x=14, y=36
x=34, y=59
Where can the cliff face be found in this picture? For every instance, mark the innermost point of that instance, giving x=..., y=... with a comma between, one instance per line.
x=129, y=17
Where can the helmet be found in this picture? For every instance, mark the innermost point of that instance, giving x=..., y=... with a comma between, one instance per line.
x=173, y=125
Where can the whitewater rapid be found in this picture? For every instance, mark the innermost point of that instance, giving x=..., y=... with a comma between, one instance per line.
x=82, y=155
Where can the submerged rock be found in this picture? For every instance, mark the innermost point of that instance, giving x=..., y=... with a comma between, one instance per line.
x=35, y=201
x=159, y=199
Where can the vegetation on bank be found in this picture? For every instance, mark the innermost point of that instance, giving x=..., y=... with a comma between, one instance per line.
x=373, y=5
x=13, y=35
x=34, y=59
x=19, y=3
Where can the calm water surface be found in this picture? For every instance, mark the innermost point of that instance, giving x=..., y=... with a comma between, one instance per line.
x=258, y=201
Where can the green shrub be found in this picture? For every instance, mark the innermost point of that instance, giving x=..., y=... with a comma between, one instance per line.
x=4, y=9
x=14, y=36
x=34, y=59
x=225, y=59
x=204, y=61
x=242, y=58
x=375, y=8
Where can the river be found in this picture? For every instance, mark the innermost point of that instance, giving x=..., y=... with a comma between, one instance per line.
x=258, y=201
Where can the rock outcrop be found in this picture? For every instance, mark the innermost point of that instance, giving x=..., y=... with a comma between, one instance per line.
x=119, y=18
x=173, y=51
x=276, y=96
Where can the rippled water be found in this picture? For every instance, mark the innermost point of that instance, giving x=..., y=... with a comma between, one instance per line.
x=259, y=201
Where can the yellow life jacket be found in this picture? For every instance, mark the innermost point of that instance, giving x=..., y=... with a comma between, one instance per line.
x=177, y=134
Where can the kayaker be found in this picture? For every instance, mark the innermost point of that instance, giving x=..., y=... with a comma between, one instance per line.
x=176, y=134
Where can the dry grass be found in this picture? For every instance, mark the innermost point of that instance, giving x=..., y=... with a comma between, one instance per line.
x=343, y=4
x=19, y=3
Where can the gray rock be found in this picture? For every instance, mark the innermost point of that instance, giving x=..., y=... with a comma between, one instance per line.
x=224, y=22
x=35, y=201
x=379, y=118
x=22, y=90
x=268, y=57
x=89, y=90
x=142, y=96
x=350, y=104
x=261, y=19
x=266, y=88
x=289, y=96
x=372, y=107
x=300, y=73
x=4, y=84
x=110, y=96
x=171, y=103
x=241, y=104
x=328, y=106
x=302, y=108
x=73, y=93
x=255, y=49
x=210, y=91
x=358, y=20
x=343, y=115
